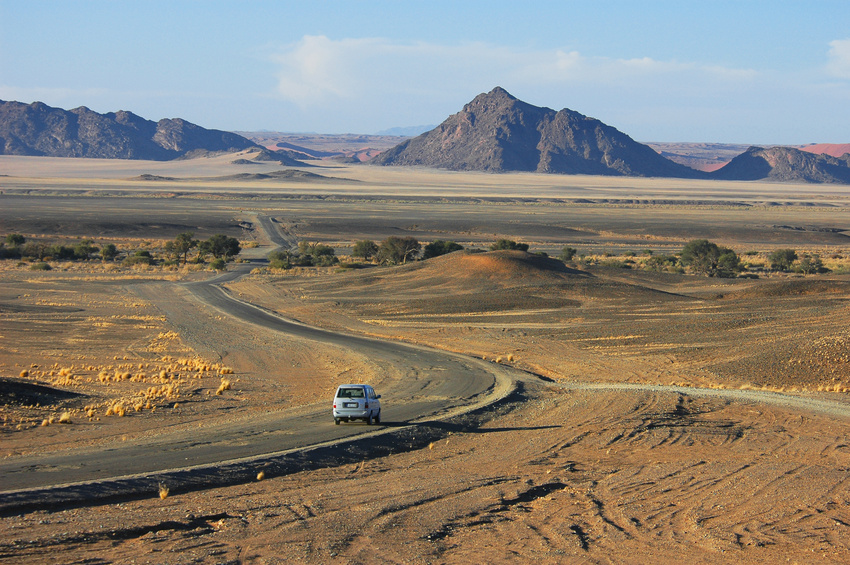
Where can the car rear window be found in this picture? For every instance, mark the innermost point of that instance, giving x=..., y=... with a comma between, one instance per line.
x=350, y=393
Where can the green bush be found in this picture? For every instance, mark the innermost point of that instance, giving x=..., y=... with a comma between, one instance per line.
x=40, y=266
x=508, y=244
x=439, y=247
x=219, y=264
x=567, y=254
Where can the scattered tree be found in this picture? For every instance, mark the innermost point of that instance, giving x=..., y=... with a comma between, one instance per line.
x=184, y=243
x=84, y=249
x=508, y=244
x=109, y=252
x=220, y=246
x=15, y=240
x=398, y=249
x=280, y=259
x=567, y=254
x=782, y=259
x=365, y=249
x=707, y=258
x=440, y=247
x=811, y=264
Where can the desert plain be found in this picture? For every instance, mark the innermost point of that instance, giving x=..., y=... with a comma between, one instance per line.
x=650, y=416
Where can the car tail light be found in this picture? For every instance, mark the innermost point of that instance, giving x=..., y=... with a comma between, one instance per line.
x=366, y=405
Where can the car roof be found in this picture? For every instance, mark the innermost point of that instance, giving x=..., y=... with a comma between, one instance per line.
x=352, y=386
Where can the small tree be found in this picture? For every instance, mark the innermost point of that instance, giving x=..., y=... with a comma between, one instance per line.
x=85, y=248
x=707, y=258
x=811, y=264
x=567, y=254
x=109, y=252
x=280, y=259
x=508, y=244
x=439, y=247
x=220, y=246
x=15, y=240
x=184, y=243
x=365, y=249
x=782, y=259
x=35, y=249
x=398, y=249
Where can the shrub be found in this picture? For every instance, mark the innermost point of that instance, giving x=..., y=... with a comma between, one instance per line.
x=219, y=264
x=40, y=266
x=781, y=259
x=15, y=239
x=811, y=264
x=280, y=259
x=439, y=247
x=567, y=254
x=108, y=252
x=141, y=257
x=661, y=263
x=508, y=244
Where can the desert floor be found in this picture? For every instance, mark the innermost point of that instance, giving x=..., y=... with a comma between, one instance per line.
x=661, y=417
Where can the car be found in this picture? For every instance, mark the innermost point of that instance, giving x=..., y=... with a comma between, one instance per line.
x=356, y=402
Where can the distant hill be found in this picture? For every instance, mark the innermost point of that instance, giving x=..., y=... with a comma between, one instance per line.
x=706, y=157
x=497, y=132
x=408, y=131
x=786, y=164
x=832, y=149
x=38, y=129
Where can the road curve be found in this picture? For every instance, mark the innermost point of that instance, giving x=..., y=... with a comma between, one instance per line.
x=435, y=383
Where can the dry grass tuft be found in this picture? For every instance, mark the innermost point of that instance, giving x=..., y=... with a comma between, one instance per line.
x=65, y=418
x=261, y=475
x=225, y=385
x=163, y=491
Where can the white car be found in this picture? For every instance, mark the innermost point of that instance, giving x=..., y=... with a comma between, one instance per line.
x=357, y=402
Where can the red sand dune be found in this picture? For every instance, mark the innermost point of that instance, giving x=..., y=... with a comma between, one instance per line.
x=834, y=149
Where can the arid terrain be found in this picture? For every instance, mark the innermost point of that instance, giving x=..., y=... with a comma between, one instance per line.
x=654, y=416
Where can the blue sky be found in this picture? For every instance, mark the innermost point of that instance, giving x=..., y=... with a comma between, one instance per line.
x=737, y=72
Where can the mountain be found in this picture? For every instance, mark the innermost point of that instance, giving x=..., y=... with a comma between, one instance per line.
x=497, y=132
x=786, y=164
x=38, y=129
x=408, y=131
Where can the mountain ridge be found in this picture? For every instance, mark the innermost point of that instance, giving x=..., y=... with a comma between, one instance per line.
x=41, y=130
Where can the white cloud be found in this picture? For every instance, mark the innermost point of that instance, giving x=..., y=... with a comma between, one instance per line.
x=318, y=70
x=839, y=58
x=364, y=85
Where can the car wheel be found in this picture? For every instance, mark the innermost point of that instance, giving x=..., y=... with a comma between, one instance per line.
x=336, y=421
x=369, y=419
x=378, y=417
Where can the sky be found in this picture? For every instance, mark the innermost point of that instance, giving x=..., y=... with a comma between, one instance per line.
x=743, y=71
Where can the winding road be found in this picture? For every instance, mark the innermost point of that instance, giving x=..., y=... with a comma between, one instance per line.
x=435, y=384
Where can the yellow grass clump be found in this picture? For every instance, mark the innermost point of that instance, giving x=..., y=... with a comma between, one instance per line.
x=225, y=385
x=163, y=491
